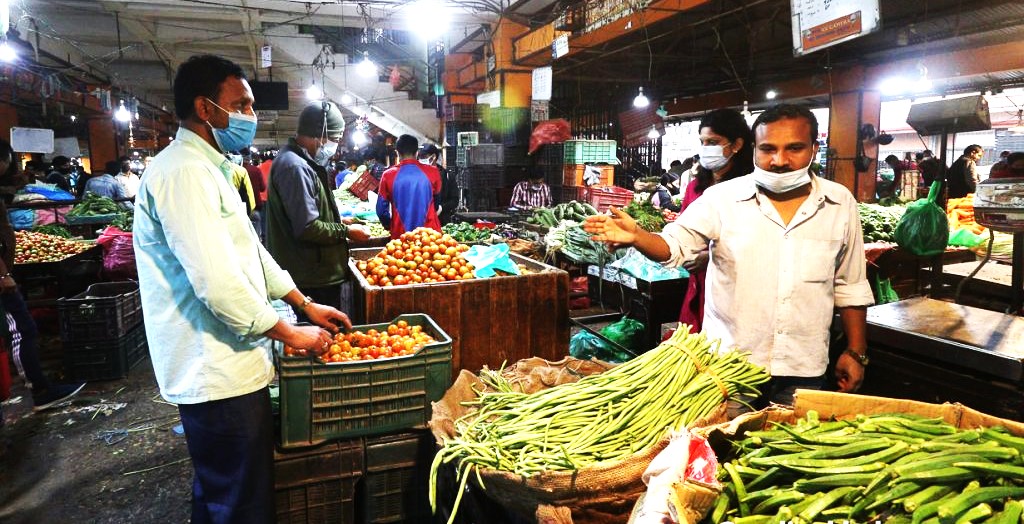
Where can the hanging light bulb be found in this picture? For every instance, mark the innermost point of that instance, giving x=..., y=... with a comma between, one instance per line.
x=771, y=94
x=366, y=67
x=313, y=92
x=122, y=114
x=7, y=53
x=641, y=99
x=653, y=134
x=74, y=118
x=346, y=99
x=358, y=137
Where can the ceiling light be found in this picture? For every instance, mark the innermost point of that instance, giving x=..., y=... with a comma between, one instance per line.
x=136, y=115
x=428, y=19
x=313, y=92
x=7, y=53
x=641, y=100
x=122, y=114
x=653, y=134
x=73, y=118
x=771, y=94
x=358, y=138
x=923, y=85
x=366, y=67
x=893, y=86
x=346, y=99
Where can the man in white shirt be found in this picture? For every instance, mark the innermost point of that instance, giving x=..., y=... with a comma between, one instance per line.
x=786, y=248
x=130, y=181
x=206, y=284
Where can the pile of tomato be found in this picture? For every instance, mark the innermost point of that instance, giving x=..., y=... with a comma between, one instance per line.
x=398, y=340
x=420, y=256
x=32, y=247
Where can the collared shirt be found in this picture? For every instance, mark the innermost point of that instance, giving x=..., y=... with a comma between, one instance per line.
x=525, y=196
x=772, y=287
x=130, y=182
x=205, y=279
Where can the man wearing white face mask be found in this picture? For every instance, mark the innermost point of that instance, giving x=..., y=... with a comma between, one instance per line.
x=786, y=248
x=305, y=232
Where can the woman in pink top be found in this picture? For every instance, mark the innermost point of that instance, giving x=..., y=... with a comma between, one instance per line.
x=727, y=151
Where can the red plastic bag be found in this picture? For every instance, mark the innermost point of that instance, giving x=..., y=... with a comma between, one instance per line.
x=118, y=254
x=549, y=132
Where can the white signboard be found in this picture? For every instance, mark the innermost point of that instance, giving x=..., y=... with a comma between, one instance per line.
x=560, y=47
x=491, y=98
x=265, y=56
x=818, y=24
x=542, y=83
x=32, y=140
x=67, y=147
x=266, y=116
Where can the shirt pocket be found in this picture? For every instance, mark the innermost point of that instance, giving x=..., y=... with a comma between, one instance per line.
x=817, y=259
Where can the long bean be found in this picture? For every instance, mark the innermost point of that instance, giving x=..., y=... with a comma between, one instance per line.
x=604, y=417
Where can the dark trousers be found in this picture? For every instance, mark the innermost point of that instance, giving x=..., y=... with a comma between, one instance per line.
x=231, y=442
x=24, y=340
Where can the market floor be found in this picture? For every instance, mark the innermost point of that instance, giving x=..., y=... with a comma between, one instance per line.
x=109, y=456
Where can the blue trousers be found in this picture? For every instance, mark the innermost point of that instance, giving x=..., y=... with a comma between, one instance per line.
x=231, y=442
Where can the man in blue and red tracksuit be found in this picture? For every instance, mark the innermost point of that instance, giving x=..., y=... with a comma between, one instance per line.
x=405, y=199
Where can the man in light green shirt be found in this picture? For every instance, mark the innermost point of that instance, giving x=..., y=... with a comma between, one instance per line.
x=206, y=284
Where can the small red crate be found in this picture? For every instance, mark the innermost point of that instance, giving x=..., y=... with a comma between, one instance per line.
x=601, y=197
x=572, y=175
x=363, y=185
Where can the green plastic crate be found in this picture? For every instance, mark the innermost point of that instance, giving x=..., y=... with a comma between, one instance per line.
x=322, y=402
x=590, y=152
x=396, y=478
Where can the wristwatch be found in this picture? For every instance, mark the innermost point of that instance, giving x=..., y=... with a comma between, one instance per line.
x=862, y=359
x=306, y=301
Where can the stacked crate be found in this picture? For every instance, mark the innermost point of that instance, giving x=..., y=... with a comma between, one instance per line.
x=565, y=165
x=487, y=170
x=102, y=331
x=358, y=423
x=508, y=126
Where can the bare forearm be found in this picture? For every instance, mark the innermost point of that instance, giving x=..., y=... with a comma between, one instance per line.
x=854, y=321
x=652, y=246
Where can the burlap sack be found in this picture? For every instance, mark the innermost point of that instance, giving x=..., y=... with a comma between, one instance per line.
x=602, y=494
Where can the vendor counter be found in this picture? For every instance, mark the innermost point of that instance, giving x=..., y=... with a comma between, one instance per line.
x=936, y=351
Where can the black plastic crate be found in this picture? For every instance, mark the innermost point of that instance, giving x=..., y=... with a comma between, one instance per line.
x=103, y=312
x=564, y=194
x=482, y=177
x=318, y=485
x=552, y=175
x=397, y=478
x=516, y=155
x=482, y=199
x=508, y=126
x=460, y=112
x=105, y=359
x=551, y=155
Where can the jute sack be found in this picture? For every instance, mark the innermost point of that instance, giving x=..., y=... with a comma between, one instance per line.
x=601, y=494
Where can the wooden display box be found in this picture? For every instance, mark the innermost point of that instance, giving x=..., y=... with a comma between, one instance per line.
x=491, y=321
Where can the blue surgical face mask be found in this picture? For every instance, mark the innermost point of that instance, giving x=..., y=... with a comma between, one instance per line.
x=238, y=135
x=235, y=159
x=325, y=152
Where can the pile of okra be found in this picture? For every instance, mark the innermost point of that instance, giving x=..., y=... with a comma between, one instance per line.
x=880, y=468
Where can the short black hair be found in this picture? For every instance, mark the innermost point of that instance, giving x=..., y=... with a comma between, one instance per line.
x=675, y=163
x=113, y=167
x=406, y=145
x=59, y=160
x=780, y=111
x=201, y=75
x=972, y=148
x=892, y=159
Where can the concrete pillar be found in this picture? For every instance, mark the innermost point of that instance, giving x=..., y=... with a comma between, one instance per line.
x=103, y=145
x=8, y=119
x=852, y=105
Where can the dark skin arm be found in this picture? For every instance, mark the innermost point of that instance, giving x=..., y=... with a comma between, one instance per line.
x=849, y=372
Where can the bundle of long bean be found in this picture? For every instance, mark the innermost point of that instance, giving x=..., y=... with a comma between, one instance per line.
x=601, y=417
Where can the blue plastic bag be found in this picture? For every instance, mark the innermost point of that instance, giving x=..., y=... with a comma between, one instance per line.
x=50, y=192
x=486, y=259
x=636, y=264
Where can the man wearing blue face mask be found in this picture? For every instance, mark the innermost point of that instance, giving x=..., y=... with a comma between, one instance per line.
x=206, y=284
x=305, y=232
x=786, y=248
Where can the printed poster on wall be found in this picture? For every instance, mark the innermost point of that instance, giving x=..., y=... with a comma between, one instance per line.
x=818, y=24
x=542, y=83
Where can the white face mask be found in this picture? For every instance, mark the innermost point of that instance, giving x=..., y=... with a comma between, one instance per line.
x=325, y=152
x=712, y=158
x=426, y=161
x=781, y=182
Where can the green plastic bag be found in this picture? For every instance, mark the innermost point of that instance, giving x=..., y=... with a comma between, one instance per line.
x=627, y=333
x=963, y=237
x=884, y=293
x=586, y=345
x=924, y=229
